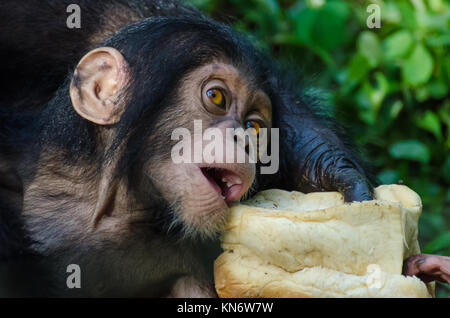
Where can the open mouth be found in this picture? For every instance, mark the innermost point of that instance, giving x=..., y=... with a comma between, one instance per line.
x=226, y=183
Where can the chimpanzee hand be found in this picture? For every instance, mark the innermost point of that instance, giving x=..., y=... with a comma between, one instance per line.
x=317, y=156
x=329, y=168
x=428, y=267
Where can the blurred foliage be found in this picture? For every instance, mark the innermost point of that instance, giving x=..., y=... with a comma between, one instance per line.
x=390, y=85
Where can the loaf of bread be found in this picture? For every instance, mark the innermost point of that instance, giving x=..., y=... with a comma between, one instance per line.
x=290, y=244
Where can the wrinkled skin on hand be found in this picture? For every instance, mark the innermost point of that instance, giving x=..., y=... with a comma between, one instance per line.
x=315, y=153
x=327, y=166
x=428, y=267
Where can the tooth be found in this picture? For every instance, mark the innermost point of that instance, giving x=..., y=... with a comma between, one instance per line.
x=224, y=179
x=223, y=197
x=229, y=184
x=238, y=181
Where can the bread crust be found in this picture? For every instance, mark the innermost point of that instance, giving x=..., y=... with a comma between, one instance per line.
x=290, y=244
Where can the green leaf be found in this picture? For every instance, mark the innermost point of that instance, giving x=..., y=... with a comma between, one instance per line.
x=369, y=46
x=431, y=224
x=395, y=109
x=411, y=150
x=391, y=13
x=446, y=65
x=358, y=69
x=446, y=173
x=421, y=93
x=430, y=122
x=408, y=14
x=444, y=113
x=315, y=3
x=271, y=5
x=366, y=112
x=417, y=68
x=378, y=93
x=397, y=44
x=330, y=28
x=437, y=88
x=321, y=29
x=438, y=244
x=388, y=176
x=304, y=22
x=436, y=5
x=439, y=40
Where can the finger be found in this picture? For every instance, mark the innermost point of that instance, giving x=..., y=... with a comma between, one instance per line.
x=428, y=267
x=412, y=263
x=360, y=191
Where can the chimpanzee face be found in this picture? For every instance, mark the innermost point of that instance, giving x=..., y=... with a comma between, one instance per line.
x=199, y=155
x=197, y=172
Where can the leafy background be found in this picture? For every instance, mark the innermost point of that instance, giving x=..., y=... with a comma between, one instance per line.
x=389, y=85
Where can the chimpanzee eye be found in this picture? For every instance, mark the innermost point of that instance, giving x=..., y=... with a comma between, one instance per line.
x=253, y=124
x=216, y=96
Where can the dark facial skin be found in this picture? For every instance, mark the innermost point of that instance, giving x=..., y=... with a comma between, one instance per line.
x=95, y=175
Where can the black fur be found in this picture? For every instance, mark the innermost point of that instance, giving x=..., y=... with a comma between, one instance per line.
x=40, y=48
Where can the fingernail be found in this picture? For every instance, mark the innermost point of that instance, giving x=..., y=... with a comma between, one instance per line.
x=420, y=261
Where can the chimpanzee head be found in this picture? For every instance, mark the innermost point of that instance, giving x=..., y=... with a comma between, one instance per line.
x=166, y=81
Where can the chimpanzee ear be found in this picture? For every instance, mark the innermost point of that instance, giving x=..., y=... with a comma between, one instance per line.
x=99, y=78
